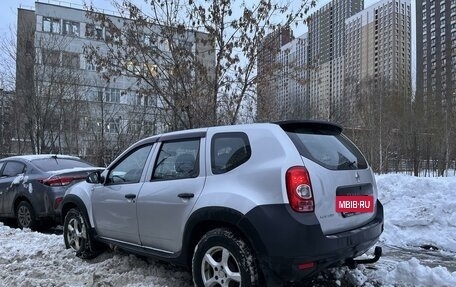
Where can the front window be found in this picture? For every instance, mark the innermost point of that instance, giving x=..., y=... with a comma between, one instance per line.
x=129, y=169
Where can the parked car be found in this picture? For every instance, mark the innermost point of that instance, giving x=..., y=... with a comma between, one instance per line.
x=32, y=187
x=240, y=205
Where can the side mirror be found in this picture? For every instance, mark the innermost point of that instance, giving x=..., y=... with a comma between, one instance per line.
x=95, y=177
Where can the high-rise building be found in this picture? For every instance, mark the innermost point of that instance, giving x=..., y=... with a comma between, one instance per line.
x=326, y=56
x=292, y=89
x=436, y=53
x=378, y=48
x=268, y=68
x=70, y=105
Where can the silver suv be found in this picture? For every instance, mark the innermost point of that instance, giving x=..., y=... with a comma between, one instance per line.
x=242, y=205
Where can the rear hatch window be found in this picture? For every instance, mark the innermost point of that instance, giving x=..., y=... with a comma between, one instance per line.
x=53, y=164
x=326, y=146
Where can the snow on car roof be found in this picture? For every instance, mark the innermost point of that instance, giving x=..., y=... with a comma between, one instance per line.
x=31, y=157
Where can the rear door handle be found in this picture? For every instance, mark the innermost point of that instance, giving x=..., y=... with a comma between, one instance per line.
x=186, y=195
x=130, y=196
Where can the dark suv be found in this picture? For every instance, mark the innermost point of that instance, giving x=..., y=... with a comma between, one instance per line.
x=240, y=205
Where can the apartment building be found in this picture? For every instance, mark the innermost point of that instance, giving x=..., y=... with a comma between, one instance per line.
x=292, y=79
x=268, y=70
x=326, y=57
x=86, y=112
x=436, y=54
x=378, y=48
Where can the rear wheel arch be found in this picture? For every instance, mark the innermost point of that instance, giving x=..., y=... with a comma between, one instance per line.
x=18, y=200
x=210, y=218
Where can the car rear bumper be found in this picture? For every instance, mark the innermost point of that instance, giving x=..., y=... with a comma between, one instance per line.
x=292, y=246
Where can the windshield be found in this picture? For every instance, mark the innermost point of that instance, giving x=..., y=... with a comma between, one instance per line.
x=51, y=164
x=330, y=149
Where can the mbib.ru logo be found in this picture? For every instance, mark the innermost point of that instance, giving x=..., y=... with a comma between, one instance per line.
x=355, y=203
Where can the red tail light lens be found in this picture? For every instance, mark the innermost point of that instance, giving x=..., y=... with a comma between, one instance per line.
x=299, y=189
x=60, y=181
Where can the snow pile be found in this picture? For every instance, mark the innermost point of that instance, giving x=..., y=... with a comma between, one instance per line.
x=412, y=273
x=419, y=211
x=34, y=259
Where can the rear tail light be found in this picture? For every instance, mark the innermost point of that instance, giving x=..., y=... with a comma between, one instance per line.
x=307, y=265
x=299, y=189
x=60, y=181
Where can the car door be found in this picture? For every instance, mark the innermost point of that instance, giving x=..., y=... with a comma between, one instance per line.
x=114, y=202
x=10, y=185
x=167, y=198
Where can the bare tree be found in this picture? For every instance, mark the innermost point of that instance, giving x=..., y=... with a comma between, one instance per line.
x=197, y=57
x=381, y=119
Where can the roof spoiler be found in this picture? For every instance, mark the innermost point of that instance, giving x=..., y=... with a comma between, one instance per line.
x=317, y=125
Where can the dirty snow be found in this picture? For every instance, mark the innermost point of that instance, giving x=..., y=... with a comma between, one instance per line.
x=418, y=212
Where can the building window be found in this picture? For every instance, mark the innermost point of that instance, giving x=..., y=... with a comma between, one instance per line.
x=148, y=100
x=91, y=66
x=112, y=95
x=70, y=28
x=113, y=126
x=50, y=57
x=94, y=31
x=71, y=60
x=51, y=25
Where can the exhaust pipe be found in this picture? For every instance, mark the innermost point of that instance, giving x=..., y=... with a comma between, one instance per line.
x=352, y=263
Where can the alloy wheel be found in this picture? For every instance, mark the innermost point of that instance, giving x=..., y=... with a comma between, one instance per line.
x=24, y=216
x=76, y=233
x=220, y=268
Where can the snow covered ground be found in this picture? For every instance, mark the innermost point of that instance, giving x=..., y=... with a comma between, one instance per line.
x=419, y=212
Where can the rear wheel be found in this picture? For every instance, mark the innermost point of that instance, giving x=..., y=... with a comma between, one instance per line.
x=77, y=236
x=223, y=259
x=25, y=215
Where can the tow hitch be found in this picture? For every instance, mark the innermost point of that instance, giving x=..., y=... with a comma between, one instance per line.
x=351, y=263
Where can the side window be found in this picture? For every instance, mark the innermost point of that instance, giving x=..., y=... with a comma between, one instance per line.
x=129, y=169
x=177, y=160
x=1, y=166
x=228, y=151
x=13, y=168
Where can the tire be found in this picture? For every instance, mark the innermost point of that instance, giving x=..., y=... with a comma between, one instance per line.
x=25, y=216
x=77, y=235
x=222, y=258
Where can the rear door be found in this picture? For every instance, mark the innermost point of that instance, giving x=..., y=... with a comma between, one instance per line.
x=11, y=180
x=168, y=196
x=336, y=168
x=114, y=203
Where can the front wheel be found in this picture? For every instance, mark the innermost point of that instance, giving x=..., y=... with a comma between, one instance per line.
x=77, y=236
x=222, y=258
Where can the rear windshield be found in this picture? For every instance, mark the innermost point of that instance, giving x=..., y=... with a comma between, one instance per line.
x=51, y=164
x=328, y=148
